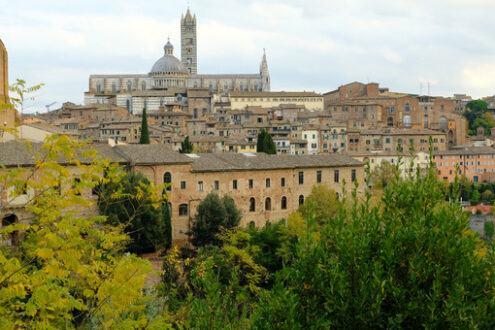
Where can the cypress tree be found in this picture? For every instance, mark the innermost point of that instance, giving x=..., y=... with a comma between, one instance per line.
x=167, y=223
x=145, y=135
x=186, y=147
x=265, y=143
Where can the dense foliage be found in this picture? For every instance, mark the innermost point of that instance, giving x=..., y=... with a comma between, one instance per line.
x=145, y=135
x=265, y=143
x=477, y=116
x=131, y=201
x=213, y=213
x=186, y=146
x=410, y=261
x=475, y=193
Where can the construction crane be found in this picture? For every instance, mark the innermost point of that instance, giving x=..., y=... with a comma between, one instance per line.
x=48, y=106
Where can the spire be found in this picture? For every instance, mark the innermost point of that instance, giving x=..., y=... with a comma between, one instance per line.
x=264, y=64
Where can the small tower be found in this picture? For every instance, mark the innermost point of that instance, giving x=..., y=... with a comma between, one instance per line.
x=189, y=57
x=4, y=74
x=265, y=74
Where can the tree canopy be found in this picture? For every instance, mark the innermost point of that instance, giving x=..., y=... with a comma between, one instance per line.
x=145, y=135
x=477, y=115
x=186, y=147
x=131, y=201
x=213, y=213
x=265, y=143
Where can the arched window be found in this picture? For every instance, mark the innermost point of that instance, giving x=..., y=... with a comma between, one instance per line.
x=143, y=85
x=252, y=204
x=114, y=87
x=443, y=123
x=128, y=105
x=407, y=121
x=301, y=199
x=13, y=238
x=129, y=85
x=283, y=203
x=268, y=204
x=255, y=87
x=167, y=179
x=408, y=108
x=426, y=121
x=183, y=209
x=98, y=87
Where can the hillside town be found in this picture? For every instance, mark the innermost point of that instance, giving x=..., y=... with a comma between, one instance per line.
x=274, y=156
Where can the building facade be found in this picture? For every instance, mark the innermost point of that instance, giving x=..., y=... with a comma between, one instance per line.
x=169, y=78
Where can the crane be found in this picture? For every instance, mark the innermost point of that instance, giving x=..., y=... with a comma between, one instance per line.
x=48, y=106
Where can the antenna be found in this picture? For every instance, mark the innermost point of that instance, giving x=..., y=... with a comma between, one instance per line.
x=48, y=106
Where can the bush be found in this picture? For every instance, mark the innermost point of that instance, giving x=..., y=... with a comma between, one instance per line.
x=489, y=229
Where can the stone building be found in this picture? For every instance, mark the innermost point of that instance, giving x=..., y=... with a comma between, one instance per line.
x=169, y=78
x=264, y=187
x=8, y=116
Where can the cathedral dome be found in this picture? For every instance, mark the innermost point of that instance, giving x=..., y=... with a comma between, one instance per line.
x=168, y=63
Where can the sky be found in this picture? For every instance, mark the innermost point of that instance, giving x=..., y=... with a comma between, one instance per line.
x=312, y=45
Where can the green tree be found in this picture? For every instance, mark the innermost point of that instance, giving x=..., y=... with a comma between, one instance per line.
x=475, y=197
x=489, y=229
x=212, y=214
x=474, y=112
x=411, y=262
x=321, y=205
x=186, y=147
x=167, y=224
x=145, y=135
x=131, y=201
x=68, y=271
x=265, y=143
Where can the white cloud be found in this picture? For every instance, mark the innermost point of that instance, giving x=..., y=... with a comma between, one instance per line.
x=311, y=44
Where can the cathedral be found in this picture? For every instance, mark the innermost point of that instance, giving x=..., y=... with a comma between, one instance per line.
x=169, y=77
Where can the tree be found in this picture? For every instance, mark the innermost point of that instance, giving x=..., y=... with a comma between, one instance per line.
x=167, y=224
x=265, y=143
x=131, y=201
x=186, y=147
x=321, y=205
x=474, y=113
x=410, y=262
x=212, y=214
x=145, y=135
x=68, y=270
x=383, y=174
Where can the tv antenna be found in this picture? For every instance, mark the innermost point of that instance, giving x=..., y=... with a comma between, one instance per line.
x=48, y=106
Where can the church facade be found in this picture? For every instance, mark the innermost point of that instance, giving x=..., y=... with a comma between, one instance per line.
x=169, y=77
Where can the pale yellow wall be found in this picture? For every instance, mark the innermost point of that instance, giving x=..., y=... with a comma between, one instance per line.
x=311, y=103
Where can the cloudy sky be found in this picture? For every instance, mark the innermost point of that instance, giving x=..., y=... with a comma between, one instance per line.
x=310, y=44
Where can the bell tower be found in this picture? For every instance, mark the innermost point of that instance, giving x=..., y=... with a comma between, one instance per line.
x=189, y=57
x=4, y=74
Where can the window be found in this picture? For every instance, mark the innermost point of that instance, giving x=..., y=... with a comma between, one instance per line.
x=318, y=176
x=268, y=204
x=183, y=209
x=283, y=203
x=301, y=199
x=167, y=179
x=252, y=204
x=336, y=176
x=200, y=185
x=353, y=175
x=268, y=183
x=217, y=185
x=129, y=85
x=234, y=184
x=75, y=186
x=282, y=182
x=183, y=185
x=301, y=177
x=143, y=85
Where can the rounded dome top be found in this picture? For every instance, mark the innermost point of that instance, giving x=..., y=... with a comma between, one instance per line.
x=168, y=63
